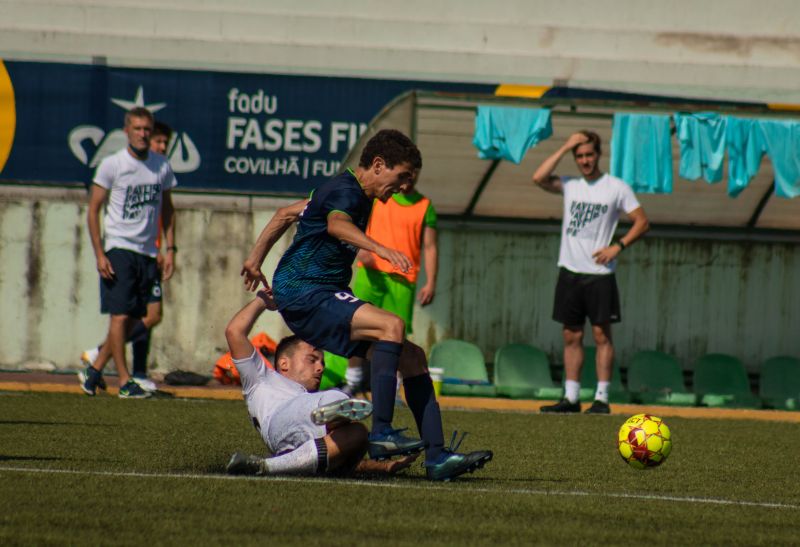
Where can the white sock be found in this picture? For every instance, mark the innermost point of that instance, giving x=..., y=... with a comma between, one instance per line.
x=353, y=376
x=303, y=460
x=572, y=391
x=601, y=394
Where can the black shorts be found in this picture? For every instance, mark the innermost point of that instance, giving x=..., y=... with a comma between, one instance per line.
x=135, y=283
x=581, y=296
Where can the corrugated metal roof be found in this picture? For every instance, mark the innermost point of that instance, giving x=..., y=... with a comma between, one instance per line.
x=442, y=124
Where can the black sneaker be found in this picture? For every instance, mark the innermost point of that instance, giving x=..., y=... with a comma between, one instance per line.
x=132, y=390
x=242, y=464
x=90, y=379
x=598, y=407
x=561, y=407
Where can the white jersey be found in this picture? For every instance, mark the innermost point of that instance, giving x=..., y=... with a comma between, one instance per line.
x=135, y=190
x=591, y=212
x=265, y=391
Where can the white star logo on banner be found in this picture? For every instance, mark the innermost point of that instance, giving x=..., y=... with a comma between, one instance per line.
x=138, y=101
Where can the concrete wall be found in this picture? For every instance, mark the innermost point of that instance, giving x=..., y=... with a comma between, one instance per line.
x=684, y=296
x=49, y=283
x=719, y=48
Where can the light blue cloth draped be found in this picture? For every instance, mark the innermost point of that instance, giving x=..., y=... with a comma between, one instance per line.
x=782, y=140
x=508, y=133
x=702, y=139
x=641, y=152
x=745, y=143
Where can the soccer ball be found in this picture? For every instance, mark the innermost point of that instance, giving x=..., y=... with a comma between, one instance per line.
x=644, y=441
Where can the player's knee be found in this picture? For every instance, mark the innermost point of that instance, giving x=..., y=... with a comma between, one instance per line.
x=360, y=435
x=413, y=361
x=152, y=318
x=349, y=439
x=601, y=336
x=394, y=329
x=573, y=337
x=156, y=316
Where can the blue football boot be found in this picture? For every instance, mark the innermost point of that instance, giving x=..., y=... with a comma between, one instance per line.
x=451, y=464
x=392, y=442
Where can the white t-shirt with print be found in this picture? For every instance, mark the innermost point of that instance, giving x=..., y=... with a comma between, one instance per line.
x=591, y=212
x=264, y=391
x=134, y=203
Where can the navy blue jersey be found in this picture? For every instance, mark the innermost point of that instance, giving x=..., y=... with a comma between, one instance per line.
x=315, y=260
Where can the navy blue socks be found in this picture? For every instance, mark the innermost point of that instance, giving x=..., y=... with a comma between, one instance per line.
x=421, y=401
x=385, y=359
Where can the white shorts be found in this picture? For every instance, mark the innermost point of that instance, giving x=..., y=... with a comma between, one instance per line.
x=291, y=425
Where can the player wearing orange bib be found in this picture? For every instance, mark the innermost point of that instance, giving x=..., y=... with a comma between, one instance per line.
x=406, y=222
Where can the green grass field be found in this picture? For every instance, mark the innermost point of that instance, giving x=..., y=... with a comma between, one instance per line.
x=81, y=471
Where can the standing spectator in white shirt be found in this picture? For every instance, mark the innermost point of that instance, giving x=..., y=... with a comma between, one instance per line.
x=587, y=287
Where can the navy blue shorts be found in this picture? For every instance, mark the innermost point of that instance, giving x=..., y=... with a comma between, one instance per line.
x=323, y=320
x=136, y=280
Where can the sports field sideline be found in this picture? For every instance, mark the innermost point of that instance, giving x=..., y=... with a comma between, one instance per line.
x=67, y=383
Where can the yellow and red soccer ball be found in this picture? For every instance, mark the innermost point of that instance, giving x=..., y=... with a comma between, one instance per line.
x=644, y=441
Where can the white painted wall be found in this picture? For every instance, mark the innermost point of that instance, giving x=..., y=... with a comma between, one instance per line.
x=722, y=49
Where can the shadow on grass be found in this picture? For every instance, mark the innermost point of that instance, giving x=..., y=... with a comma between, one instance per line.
x=32, y=422
x=4, y=458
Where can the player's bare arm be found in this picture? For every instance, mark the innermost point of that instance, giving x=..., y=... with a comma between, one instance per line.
x=544, y=177
x=389, y=467
x=272, y=232
x=97, y=198
x=640, y=226
x=430, y=250
x=342, y=228
x=366, y=258
x=239, y=327
x=168, y=220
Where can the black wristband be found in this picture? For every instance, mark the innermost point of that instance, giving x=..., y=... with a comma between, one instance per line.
x=620, y=243
x=172, y=248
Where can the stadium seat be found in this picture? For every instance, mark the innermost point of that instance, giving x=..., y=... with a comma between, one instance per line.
x=335, y=369
x=779, y=383
x=464, y=369
x=522, y=371
x=721, y=380
x=655, y=377
x=616, y=391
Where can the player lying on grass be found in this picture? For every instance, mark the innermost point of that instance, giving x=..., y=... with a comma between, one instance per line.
x=311, y=432
x=311, y=290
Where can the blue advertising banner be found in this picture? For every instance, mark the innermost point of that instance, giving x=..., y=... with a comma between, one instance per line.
x=233, y=132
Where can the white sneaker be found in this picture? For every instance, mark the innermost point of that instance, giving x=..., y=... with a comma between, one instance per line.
x=89, y=356
x=146, y=384
x=350, y=410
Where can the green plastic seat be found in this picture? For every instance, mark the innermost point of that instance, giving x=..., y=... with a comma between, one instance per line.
x=464, y=369
x=616, y=391
x=522, y=371
x=655, y=377
x=721, y=380
x=779, y=383
x=335, y=369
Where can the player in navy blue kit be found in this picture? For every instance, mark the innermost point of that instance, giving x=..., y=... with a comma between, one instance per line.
x=311, y=290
